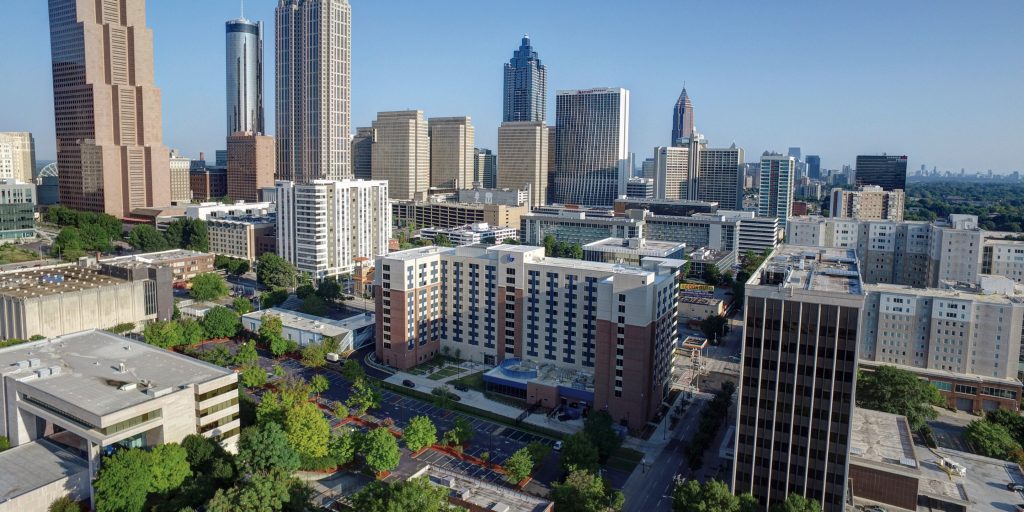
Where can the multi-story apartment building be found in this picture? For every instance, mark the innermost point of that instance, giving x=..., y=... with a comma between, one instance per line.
x=965, y=339
x=206, y=211
x=245, y=238
x=243, y=44
x=107, y=108
x=523, y=158
x=592, y=147
x=452, y=156
x=886, y=171
x=401, y=153
x=313, y=61
x=526, y=86
x=181, y=182
x=867, y=203
x=559, y=331
x=453, y=215
x=485, y=168
x=803, y=309
x=252, y=161
x=672, y=177
x=323, y=226
x=17, y=156
x=775, y=197
x=17, y=210
x=362, y=153
x=755, y=233
x=720, y=176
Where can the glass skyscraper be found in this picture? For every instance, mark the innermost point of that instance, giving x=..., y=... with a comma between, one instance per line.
x=526, y=85
x=244, y=45
x=592, y=147
x=886, y=171
x=813, y=167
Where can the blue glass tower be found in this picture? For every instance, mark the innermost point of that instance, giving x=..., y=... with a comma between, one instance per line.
x=526, y=85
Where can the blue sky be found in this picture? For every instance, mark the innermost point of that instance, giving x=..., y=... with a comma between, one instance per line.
x=940, y=81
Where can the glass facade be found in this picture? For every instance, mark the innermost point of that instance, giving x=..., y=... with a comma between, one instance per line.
x=244, y=44
x=591, y=148
x=526, y=86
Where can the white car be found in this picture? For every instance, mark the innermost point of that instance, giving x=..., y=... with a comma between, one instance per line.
x=558, y=446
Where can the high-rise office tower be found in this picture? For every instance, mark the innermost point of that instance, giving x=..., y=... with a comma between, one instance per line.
x=795, y=153
x=813, y=167
x=362, y=152
x=401, y=153
x=526, y=85
x=523, y=158
x=886, y=171
x=314, y=89
x=452, y=141
x=775, y=198
x=486, y=168
x=648, y=170
x=592, y=147
x=181, y=184
x=682, y=118
x=672, y=178
x=106, y=108
x=251, y=162
x=800, y=342
x=17, y=156
x=244, y=44
x=720, y=177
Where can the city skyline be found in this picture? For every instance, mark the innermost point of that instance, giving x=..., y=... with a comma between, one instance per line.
x=897, y=118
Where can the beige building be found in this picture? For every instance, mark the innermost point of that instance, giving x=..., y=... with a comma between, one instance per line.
x=184, y=264
x=673, y=178
x=93, y=392
x=401, y=153
x=867, y=203
x=242, y=237
x=524, y=149
x=17, y=156
x=452, y=143
x=453, y=215
x=181, y=183
x=251, y=164
x=107, y=108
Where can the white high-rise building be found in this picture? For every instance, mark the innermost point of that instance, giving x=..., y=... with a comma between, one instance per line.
x=401, y=153
x=672, y=177
x=17, y=156
x=523, y=158
x=181, y=186
x=323, y=226
x=314, y=89
x=452, y=155
x=776, y=193
x=720, y=177
x=592, y=146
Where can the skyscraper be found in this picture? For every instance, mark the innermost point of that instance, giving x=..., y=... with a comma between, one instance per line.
x=795, y=153
x=401, y=153
x=452, y=141
x=106, y=108
x=886, y=171
x=251, y=164
x=813, y=167
x=682, y=118
x=523, y=158
x=526, y=85
x=314, y=89
x=17, y=156
x=720, y=177
x=796, y=388
x=485, y=169
x=592, y=147
x=362, y=152
x=775, y=198
x=672, y=177
x=244, y=44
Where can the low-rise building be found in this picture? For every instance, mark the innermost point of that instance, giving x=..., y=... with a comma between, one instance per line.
x=632, y=251
x=184, y=264
x=472, y=234
x=17, y=210
x=207, y=211
x=639, y=188
x=451, y=215
x=669, y=207
x=703, y=257
x=699, y=308
x=351, y=333
x=245, y=238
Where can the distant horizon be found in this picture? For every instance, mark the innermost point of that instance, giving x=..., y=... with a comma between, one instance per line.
x=837, y=84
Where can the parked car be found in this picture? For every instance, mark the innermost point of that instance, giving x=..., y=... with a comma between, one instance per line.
x=876, y=508
x=1014, y=486
x=558, y=446
x=408, y=383
x=461, y=387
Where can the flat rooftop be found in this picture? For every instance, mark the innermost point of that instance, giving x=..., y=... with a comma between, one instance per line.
x=638, y=246
x=485, y=495
x=820, y=269
x=52, y=280
x=156, y=258
x=954, y=292
x=304, y=322
x=882, y=438
x=984, y=485
x=34, y=465
x=84, y=369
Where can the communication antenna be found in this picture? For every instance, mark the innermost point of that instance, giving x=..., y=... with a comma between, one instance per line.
x=243, y=8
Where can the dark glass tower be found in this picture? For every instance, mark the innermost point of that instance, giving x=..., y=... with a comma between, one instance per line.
x=526, y=85
x=682, y=118
x=813, y=167
x=886, y=171
x=244, y=43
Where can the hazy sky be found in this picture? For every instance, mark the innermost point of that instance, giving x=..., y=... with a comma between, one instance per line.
x=940, y=81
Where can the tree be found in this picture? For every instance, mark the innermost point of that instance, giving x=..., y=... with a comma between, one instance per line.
x=362, y=397
x=192, y=332
x=583, y=491
x=797, y=503
x=188, y=233
x=124, y=481
x=313, y=355
x=65, y=504
x=264, y=448
x=240, y=269
x=991, y=439
x=713, y=327
x=893, y=390
x=352, y=370
x=246, y=354
x=442, y=240
x=273, y=298
x=712, y=275
x=420, y=433
x=163, y=334
x=268, y=492
x=380, y=449
x=146, y=238
x=252, y=376
x=519, y=465
x=339, y=410
x=304, y=291
x=712, y=496
x=329, y=290
x=313, y=305
x=221, y=322
x=461, y=432
x=68, y=244
x=307, y=430
x=208, y=286
x=416, y=494
x=169, y=467
x=598, y=427
x=342, y=448
x=318, y=383
x=538, y=451
x=580, y=453
x=201, y=451
x=274, y=271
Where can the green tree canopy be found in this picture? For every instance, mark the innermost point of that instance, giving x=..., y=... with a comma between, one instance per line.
x=163, y=334
x=188, y=233
x=329, y=289
x=363, y=397
x=221, y=322
x=208, y=286
x=307, y=429
x=146, y=238
x=797, y=503
x=64, y=504
x=274, y=271
x=416, y=494
x=893, y=390
x=314, y=305
x=273, y=298
x=420, y=433
x=263, y=492
x=318, y=384
x=313, y=355
x=352, y=370
x=380, y=449
x=598, y=427
x=583, y=491
x=519, y=465
x=580, y=453
x=991, y=439
x=68, y=244
x=246, y=354
x=264, y=448
x=169, y=467
x=712, y=496
x=124, y=481
x=192, y=332
x=242, y=305
x=252, y=376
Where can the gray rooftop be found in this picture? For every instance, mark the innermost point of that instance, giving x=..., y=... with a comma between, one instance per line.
x=819, y=269
x=882, y=438
x=34, y=465
x=53, y=280
x=156, y=258
x=308, y=323
x=86, y=370
x=635, y=246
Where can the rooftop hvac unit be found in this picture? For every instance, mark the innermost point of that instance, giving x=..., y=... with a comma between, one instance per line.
x=131, y=386
x=158, y=392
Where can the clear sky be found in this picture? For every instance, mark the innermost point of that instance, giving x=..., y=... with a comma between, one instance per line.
x=938, y=80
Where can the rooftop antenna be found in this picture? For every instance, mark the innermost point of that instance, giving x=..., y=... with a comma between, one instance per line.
x=243, y=8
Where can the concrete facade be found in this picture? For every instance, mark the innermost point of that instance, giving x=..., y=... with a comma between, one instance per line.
x=252, y=162
x=453, y=215
x=673, y=178
x=452, y=157
x=401, y=153
x=181, y=182
x=775, y=197
x=867, y=203
x=523, y=158
x=17, y=156
x=245, y=238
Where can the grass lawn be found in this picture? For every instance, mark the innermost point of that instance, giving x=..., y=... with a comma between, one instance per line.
x=472, y=381
x=9, y=253
x=444, y=373
x=625, y=459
